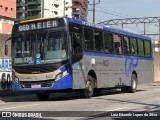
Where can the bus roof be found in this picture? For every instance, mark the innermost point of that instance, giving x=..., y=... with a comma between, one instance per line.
x=107, y=28
x=98, y=26
x=37, y=19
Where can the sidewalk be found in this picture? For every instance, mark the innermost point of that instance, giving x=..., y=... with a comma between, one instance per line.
x=12, y=93
x=148, y=85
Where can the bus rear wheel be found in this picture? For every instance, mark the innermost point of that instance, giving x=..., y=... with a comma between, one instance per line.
x=42, y=95
x=88, y=91
x=133, y=87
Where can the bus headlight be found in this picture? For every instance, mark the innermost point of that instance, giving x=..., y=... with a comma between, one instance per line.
x=15, y=78
x=60, y=75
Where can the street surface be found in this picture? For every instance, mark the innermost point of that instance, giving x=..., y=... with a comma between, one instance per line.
x=147, y=98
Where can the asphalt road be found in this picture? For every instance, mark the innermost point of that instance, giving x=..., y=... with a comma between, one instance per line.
x=108, y=105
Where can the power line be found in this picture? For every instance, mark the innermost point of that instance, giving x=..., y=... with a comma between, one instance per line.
x=115, y=12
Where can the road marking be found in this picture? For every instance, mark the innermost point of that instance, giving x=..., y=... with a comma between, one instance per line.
x=118, y=109
x=19, y=107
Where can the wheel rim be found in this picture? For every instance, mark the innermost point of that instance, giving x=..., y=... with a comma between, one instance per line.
x=134, y=83
x=89, y=86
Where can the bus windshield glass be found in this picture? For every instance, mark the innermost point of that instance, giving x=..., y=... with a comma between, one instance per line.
x=39, y=47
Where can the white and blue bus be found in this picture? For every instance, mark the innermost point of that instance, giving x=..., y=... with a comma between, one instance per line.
x=51, y=54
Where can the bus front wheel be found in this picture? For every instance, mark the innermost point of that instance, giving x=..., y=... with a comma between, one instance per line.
x=89, y=89
x=42, y=95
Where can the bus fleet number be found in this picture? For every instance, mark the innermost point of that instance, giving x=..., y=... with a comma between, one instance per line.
x=6, y=80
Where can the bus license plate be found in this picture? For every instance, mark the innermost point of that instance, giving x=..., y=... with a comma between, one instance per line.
x=36, y=86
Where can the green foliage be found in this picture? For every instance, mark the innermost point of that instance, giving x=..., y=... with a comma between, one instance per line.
x=156, y=45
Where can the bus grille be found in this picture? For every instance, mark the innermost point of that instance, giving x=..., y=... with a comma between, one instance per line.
x=41, y=83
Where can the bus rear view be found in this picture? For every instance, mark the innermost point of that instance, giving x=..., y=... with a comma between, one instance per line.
x=40, y=56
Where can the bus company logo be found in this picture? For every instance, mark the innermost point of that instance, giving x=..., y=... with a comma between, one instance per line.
x=92, y=24
x=130, y=65
x=36, y=72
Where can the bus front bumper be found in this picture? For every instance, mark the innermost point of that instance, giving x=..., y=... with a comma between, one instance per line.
x=63, y=83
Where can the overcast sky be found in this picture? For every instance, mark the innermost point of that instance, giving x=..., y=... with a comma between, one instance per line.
x=119, y=9
x=113, y=9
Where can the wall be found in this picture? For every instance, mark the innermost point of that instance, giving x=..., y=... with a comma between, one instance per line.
x=4, y=37
x=55, y=8
x=8, y=8
x=156, y=66
x=7, y=15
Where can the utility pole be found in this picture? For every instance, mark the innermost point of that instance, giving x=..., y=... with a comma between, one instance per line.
x=94, y=11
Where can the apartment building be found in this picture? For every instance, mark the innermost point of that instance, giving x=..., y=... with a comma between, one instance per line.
x=7, y=15
x=29, y=9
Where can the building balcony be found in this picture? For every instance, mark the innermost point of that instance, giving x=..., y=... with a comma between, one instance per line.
x=84, y=6
x=75, y=6
x=34, y=2
x=84, y=12
x=76, y=12
x=21, y=4
x=33, y=16
x=34, y=9
x=76, y=1
x=85, y=2
x=20, y=18
x=20, y=10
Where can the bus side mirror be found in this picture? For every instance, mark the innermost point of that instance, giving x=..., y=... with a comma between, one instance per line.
x=6, y=49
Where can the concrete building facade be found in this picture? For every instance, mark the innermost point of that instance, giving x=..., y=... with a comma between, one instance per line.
x=7, y=15
x=29, y=9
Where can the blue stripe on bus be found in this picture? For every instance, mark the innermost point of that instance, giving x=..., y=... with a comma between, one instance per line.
x=115, y=55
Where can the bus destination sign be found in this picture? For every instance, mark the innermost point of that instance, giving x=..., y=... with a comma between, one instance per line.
x=38, y=25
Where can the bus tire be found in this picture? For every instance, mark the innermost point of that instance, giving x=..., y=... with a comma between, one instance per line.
x=88, y=91
x=133, y=87
x=42, y=95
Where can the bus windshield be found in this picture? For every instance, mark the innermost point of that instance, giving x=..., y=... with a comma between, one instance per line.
x=39, y=47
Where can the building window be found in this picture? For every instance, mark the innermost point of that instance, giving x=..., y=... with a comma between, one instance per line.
x=6, y=8
x=56, y=5
x=55, y=12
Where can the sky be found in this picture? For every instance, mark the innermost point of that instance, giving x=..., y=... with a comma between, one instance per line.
x=121, y=9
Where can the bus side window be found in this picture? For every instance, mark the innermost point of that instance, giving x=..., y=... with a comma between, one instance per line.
x=133, y=43
x=88, y=37
x=148, y=49
x=126, y=49
x=76, y=38
x=98, y=40
x=140, y=47
x=76, y=41
x=117, y=44
x=108, y=43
